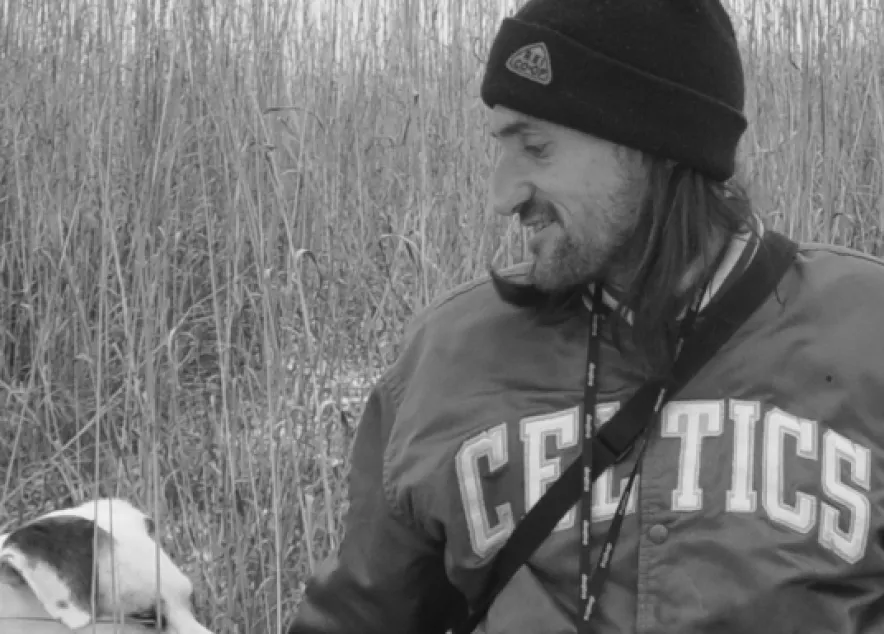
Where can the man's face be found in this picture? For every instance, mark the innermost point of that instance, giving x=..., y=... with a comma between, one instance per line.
x=579, y=195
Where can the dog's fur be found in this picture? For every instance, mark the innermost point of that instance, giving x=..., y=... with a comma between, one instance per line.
x=101, y=559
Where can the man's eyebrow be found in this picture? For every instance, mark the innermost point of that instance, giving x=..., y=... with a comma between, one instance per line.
x=511, y=129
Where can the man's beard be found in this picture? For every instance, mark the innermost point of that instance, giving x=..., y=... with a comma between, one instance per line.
x=567, y=264
x=571, y=256
x=567, y=260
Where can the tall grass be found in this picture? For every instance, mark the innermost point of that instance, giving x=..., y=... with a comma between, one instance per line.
x=215, y=219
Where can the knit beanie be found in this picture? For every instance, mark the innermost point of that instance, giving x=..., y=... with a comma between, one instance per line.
x=663, y=76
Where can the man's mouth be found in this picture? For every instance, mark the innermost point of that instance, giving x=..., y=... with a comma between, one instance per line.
x=537, y=228
x=538, y=224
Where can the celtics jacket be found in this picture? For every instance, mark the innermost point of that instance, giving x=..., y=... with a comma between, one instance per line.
x=759, y=507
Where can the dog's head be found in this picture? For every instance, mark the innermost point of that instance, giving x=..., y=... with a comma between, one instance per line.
x=92, y=564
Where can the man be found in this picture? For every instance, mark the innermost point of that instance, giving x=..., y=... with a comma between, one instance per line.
x=758, y=505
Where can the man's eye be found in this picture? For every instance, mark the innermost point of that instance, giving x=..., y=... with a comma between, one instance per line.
x=535, y=150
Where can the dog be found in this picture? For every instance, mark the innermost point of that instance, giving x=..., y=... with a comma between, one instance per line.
x=95, y=568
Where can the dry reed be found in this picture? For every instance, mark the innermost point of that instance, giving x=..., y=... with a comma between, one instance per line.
x=215, y=219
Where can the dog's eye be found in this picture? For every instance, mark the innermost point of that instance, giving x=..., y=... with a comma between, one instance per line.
x=151, y=618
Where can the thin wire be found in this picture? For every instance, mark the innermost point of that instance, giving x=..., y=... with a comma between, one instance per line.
x=101, y=621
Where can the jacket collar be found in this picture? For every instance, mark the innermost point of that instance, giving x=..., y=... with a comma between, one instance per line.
x=739, y=254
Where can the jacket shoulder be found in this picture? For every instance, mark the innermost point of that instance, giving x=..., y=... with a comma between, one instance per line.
x=837, y=296
x=466, y=321
x=849, y=258
x=842, y=272
x=467, y=298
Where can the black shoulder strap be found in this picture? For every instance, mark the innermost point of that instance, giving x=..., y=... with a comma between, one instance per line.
x=720, y=320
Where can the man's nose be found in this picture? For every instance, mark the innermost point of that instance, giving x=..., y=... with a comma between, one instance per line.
x=508, y=190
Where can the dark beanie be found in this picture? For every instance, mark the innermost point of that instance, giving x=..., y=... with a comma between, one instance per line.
x=663, y=76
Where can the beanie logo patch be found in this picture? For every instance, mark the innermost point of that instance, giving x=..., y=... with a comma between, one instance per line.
x=531, y=62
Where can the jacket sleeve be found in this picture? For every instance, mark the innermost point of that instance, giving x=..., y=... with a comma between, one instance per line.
x=387, y=576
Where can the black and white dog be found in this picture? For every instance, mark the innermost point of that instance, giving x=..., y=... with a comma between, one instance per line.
x=93, y=568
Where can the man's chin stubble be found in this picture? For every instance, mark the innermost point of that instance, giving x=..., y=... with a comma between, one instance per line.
x=557, y=277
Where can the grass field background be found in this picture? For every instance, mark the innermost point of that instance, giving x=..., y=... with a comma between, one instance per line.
x=215, y=219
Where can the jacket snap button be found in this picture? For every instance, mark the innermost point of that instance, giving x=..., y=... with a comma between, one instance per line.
x=658, y=533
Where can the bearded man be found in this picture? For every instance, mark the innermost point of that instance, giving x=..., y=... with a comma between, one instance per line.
x=753, y=501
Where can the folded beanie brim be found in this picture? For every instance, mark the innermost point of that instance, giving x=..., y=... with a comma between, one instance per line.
x=555, y=78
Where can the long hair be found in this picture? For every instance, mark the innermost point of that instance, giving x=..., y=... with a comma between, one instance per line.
x=682, y=231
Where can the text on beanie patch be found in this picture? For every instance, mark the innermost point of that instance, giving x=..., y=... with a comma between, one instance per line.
x=532, y=62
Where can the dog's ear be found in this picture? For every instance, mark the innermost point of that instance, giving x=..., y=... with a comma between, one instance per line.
x=54, y=555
